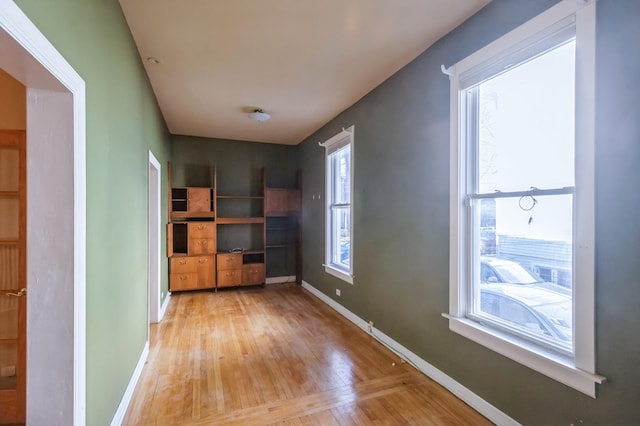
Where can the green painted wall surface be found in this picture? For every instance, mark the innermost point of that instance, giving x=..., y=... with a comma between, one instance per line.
x=237, y=167
x=401, y=220
x=123, y=123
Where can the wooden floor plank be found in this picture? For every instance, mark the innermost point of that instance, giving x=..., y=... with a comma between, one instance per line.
x=277, y=355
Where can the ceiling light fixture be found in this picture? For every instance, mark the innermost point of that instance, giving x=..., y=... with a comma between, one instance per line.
x=259, y=115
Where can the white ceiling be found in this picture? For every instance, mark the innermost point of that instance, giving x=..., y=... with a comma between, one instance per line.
x=303, y=62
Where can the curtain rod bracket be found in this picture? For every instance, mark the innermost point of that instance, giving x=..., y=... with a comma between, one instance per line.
x=448, y=71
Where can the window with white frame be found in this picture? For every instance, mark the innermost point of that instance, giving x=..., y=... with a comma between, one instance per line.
x=522, y=209
x=339, y=196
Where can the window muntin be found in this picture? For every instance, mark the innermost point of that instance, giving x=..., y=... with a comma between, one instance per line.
x=339, y=256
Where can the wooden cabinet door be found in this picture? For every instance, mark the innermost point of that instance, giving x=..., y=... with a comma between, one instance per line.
x=202, y=238
x=293, y=201
x=281, y=202
x=202, y=246
x=229, y=261
x=199, y=200
x=230, y=277
x=253, y=273
x=275, y=202
x=206, y=272
x=202, y=229
x=183, y=281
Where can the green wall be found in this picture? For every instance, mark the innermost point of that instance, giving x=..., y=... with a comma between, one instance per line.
x=123, y=123
x=401, y=220
x=238, y=165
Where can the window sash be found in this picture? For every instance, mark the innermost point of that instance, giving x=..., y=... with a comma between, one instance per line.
x=541, y=45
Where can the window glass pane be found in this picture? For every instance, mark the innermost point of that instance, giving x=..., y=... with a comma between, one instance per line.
x=341, y=164
x=8, y=357
x=9, y=173
x=8, y=318
x=9, y=217
x=525, y=124
x=9, y=265
x=523, y=264
x=341, y=237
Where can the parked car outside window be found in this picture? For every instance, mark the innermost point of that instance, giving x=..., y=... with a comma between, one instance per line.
x=531, y=308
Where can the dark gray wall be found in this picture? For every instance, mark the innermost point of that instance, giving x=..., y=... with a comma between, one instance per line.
x=401, y=220
x=237, y=167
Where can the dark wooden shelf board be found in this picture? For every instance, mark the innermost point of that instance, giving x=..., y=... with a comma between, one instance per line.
x=238, y=220
x=192, y=215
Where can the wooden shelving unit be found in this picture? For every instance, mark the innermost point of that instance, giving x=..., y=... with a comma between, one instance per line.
x=221, y=240
x=282, y=219
x=191, y=237
x=241, y=261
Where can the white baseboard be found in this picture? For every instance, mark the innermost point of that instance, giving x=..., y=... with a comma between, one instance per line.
x=466, y=395
x=163, y=308
x=128, y=393
x=279, y=280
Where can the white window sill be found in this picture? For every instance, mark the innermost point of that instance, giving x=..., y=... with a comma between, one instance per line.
x=338, y=273
x=526, y=353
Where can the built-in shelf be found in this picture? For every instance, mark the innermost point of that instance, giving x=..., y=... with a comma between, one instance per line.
x=239, y=220
x=240, y=197
x=197, y=215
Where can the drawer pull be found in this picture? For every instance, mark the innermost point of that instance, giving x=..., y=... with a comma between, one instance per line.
x=183, y=277
x=202, y=260
x=201, y=227
x=183, y=261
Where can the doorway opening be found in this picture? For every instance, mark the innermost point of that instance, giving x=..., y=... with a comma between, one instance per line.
x=154, y=240
x=56, y=217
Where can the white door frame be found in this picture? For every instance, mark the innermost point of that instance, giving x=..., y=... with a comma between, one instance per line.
x=154, y=240
x=51, y=83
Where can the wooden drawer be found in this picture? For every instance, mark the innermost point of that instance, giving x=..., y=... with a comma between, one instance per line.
x=229, y=277
x=229, y=261
x=202, y=246
x=253, y=273
x=183, y=281
x=181, y=265
x=206, y=271
x=201, y=230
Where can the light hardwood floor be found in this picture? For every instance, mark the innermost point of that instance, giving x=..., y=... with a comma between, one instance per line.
x=277, y=355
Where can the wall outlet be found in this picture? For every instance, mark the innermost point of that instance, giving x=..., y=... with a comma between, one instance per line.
x=370, y=326
x=338, y=292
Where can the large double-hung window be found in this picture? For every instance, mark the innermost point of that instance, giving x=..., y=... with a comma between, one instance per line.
x=339, y=195
x=522, y=237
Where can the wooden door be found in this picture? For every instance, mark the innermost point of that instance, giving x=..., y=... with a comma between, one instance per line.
x=13, y=303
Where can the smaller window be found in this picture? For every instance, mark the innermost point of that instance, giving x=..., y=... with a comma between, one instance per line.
x=339, y=196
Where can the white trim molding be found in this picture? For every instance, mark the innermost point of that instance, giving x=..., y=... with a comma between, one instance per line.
x=128, y=393
x=343, y=139
x=154, y=189
x=466, y=395
x=165, y=305
x=41, y=66
x=281, y=280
